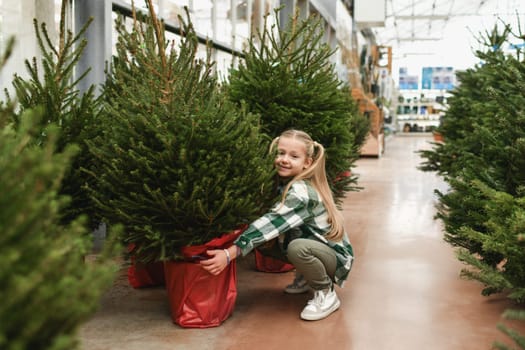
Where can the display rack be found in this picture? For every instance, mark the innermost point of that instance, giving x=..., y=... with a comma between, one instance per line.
x=419, y=112
x=374, y=143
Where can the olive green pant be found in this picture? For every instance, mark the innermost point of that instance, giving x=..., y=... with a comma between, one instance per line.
x=314, y=260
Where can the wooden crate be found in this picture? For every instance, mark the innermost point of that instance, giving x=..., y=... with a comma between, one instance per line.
x=374, y=143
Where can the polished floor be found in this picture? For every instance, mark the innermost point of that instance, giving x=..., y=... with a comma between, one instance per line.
x=404, y=291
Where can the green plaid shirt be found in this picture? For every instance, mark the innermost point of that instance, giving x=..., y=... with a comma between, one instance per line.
x=302, y=215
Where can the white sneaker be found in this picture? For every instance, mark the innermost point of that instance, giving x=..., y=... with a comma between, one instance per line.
x=323, y=304
x=298, y=285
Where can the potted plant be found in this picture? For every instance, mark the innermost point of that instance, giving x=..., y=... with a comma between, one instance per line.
x=51, y=83
x=48, y=290
x=287, y=77
x=178, y=164
x=437, y=136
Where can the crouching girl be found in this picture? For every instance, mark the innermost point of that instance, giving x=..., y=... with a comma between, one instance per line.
x=306, y=224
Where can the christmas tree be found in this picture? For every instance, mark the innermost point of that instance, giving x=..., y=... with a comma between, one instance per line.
x=47, y=289
x=177, y=163
x=518, y=338
x=52, y=84
x=287, y=78
x=501, y=266
x=484, y=118
x=483, y=160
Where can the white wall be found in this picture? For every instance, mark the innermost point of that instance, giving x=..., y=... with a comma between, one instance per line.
x=16, y=19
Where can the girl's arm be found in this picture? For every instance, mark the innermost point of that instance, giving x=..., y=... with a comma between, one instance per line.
x=291, y=214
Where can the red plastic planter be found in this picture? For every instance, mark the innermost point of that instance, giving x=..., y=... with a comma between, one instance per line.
x=144, y=275
x=269, y=264
x=343, y=175
x=197, y=298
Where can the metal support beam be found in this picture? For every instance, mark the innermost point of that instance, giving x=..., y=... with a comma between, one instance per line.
x=287, y=12
x=426, y=17
x=417, y=39
x=98, y=36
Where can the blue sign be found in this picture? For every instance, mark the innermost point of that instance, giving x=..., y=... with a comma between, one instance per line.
x=407, y=82
x=438, y=78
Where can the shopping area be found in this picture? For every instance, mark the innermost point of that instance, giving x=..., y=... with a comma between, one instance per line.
x=431, y=192
x=404, y=291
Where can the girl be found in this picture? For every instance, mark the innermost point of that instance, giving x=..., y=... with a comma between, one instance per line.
x=306, y=223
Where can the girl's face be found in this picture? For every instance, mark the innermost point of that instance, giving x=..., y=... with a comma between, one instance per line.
x=291, y=157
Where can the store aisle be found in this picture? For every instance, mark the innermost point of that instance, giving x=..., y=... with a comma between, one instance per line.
x=404, y=291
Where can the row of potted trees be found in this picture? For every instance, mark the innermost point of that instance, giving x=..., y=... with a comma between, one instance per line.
x=482, y=159
x=179, y=159
x=182, y=159
x=48, y=285
x=178, y=164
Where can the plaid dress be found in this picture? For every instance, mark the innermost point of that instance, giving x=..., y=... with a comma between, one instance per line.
x=302, y=215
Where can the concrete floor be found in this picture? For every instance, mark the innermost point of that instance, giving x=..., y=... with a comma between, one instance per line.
x=404, y=291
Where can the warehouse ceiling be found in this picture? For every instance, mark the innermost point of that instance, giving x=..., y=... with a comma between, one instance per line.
x=444, y=28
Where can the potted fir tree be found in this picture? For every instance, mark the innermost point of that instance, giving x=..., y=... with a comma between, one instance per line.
x=287, y=77
x=178, y=164
x=47, y=288
x=52, y=85
x=483, y=162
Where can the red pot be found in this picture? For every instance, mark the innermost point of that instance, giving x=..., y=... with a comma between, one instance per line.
x=269, y=264
x=197, y=298
x=145, y=275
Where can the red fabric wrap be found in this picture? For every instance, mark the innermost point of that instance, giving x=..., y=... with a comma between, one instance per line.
x=145, y=275
x=269, y=264
x=341, y=176
x=197, y=298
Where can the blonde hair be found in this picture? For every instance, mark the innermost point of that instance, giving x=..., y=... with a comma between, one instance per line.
x=316, y=173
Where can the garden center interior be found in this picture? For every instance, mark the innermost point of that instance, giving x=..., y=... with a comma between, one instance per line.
x=401, y=55
x=400, y=60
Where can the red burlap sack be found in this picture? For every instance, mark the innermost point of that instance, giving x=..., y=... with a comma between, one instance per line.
x=145, y=275
x=341, y=176
x=269, y=264
x=197, y=298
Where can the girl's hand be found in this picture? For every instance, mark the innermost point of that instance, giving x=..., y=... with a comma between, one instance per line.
x=216, y=263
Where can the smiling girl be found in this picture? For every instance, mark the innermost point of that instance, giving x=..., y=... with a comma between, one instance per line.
x=306, y=224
